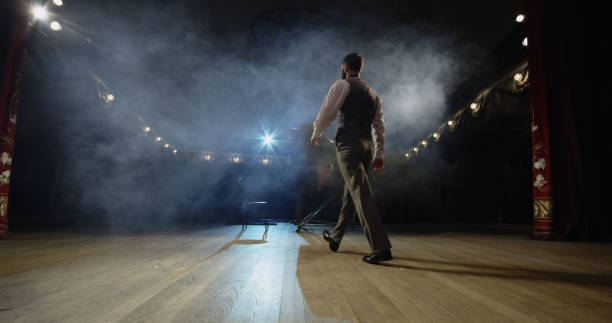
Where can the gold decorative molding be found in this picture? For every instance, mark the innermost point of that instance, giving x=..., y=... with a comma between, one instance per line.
x=542, y=209
x=3, y=206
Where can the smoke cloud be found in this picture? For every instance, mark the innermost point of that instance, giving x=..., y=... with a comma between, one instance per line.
x=205, y=89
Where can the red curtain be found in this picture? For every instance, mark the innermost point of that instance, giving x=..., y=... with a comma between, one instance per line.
x=540, y=126
x=553, y=105
x=15, y=23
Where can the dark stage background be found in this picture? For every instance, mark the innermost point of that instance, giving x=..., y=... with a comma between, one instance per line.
x=215, y=77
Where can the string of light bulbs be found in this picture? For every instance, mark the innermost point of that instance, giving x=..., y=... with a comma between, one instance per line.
x=521, y=77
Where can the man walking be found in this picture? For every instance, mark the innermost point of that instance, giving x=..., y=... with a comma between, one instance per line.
x=358, y=108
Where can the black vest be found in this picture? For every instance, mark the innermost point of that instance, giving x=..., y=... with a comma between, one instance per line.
x=357, y=112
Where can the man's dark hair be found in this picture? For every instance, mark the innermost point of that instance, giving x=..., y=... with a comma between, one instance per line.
x=354, y=62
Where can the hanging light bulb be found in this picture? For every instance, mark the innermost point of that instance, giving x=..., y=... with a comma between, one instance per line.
x=436, y=135
x=147, y=129
x=416, y=150
x=108, y=98
x=158, y=139
x=175, y=151
x=40, y=12
x=265, y=161
x=520, y=18
x=166, y=146
x=525, y=42
x=518, y=77
x=236, y=159
x=474, y=106
x=207, y=157
x=58, y=3
x=55, y=25
x=451, y=123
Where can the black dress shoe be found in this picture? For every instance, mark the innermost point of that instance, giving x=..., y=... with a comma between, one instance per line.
x=333, y=245
x=375, y=257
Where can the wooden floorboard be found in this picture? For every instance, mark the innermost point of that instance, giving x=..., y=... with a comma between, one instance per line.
x=225, y=274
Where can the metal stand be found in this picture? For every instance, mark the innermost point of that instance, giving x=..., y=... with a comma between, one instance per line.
x=258, y=207
x=244, y=227
x=308, y=219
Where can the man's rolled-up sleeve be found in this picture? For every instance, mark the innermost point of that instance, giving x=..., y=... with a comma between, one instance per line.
x=329, y=109
x=379, y=129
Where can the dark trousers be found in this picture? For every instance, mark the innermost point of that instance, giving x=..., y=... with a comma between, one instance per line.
x=355, y=156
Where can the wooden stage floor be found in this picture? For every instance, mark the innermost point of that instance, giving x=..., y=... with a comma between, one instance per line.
x=439, y=274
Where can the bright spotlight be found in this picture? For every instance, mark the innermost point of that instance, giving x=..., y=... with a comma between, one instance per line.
x=40, y=12
x=158, y=139
x=525, y=42
x=520, y=18
x=518, y=77
x=58, y=3
x=473, y=106
x=55, y=26
x=268, y=140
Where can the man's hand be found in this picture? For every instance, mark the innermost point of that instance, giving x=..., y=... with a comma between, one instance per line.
x=315, y=141
x=379, y=164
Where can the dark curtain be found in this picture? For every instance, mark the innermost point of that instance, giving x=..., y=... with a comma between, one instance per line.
x=573, y=37
x=13, y=28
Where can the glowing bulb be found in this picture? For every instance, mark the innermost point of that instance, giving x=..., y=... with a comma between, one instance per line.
x=158, y=139
x=520, y=18
x=207, y=157
x=407, y=155
x=451, y=123
x=58, y=3
x=40, y=12
x=109, y=98
x=436, y=135
x=166, y=145
x=424, y=143
x=265, y=161
x=416, y=150
x=268, y=140
x=525, y=42
x=473, y=106
x=518, y=77
x=236, y=159
x=175, y=151
x=55, y=26
x=147, y=129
